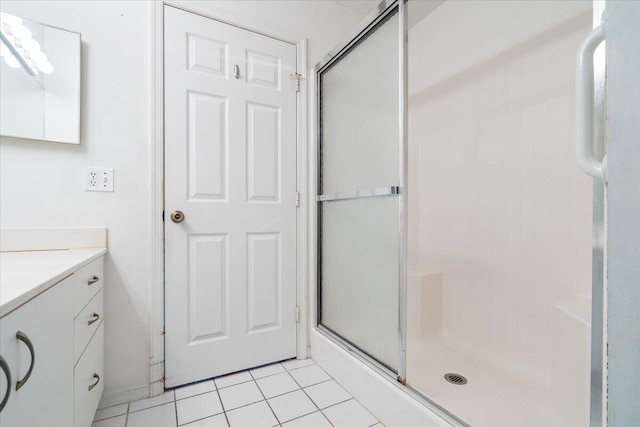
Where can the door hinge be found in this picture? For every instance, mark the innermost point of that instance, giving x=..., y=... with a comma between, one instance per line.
x=162, y=216
x=297, y=314
x=298, y=77
x=297, y=199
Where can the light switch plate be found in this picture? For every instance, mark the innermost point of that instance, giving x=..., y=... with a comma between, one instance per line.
x=98, y=179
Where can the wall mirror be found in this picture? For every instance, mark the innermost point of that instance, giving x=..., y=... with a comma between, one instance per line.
x=39, y=81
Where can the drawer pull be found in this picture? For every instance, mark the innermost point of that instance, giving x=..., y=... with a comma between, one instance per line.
x=94, y=318
x=92, y=386
x=93, y=280
x=21, y=336
x=5, y=368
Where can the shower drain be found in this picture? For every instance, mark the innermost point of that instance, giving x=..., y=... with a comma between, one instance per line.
x=456, y=379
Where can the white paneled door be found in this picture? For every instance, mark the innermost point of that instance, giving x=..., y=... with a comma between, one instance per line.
x=230, y=169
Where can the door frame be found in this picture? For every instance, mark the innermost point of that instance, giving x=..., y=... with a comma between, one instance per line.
x=156, y=176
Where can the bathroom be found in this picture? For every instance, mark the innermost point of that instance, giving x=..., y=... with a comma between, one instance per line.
x=445, y=264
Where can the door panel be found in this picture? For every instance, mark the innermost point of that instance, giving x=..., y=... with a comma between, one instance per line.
x=208, y=287
x=263, y=272
x=207, y=55
x=230, y=166
x=263, y=129
x=208, y=143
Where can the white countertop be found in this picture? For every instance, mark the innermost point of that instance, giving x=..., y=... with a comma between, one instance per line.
x=24, y=275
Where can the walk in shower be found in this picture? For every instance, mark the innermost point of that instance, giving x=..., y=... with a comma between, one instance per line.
x=454, y=228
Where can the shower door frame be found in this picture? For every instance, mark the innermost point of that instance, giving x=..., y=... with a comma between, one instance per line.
x=384, y=8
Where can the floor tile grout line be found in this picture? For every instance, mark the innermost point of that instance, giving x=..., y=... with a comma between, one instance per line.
x=203, y=418
x=190, y=385
x=300, y=367
x=269, y=376
x=155, y=406
x=195, y=395
x=266, y=366
x=344, y=401
x=151, y=407
x=281, y=394
x=112, y=416
x=175, y=408
x=352, y=397
x=321, y=382
x=108, y=418
x=306, y=415
x=309, y=397
x=175, y=399
x=227, y=386
x=243, y=406
x=224, y=411
x=265, y=399
x=357, y=401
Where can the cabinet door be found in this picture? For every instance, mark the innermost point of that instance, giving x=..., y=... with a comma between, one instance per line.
x=46, y=398
x=89, y=380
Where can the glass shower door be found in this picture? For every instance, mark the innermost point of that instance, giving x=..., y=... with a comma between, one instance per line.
x=361, y=93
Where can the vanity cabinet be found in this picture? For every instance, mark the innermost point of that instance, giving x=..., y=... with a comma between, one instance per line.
x=64, y=327
x=46, y=397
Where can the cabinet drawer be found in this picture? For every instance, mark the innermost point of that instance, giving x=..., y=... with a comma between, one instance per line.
x=89, y=372
x=88, y=281
x=87, y=322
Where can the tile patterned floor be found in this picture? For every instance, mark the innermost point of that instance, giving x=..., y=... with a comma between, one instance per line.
x=294, y=393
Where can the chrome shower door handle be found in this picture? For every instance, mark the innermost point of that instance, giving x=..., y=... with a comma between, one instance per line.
x=585, y=105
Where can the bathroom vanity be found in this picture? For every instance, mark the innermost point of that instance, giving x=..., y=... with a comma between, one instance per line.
x=51, y=335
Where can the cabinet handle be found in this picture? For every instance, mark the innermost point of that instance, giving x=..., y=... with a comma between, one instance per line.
x=21, y=336
x=94, y=318
x=92, y=386
x=7, y=373
x=93, y=280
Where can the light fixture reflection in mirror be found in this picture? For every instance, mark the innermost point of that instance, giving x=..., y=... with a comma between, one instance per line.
x=39, y=80
x=20, y=47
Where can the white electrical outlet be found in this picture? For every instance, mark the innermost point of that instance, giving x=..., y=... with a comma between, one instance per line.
x=98, y=179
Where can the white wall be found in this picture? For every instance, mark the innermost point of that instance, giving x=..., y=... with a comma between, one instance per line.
x=500, y=207
x=41, y=182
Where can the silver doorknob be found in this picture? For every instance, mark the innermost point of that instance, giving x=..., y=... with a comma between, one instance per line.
x=177, y=216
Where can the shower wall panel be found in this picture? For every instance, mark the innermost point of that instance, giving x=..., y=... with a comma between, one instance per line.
x=504, y=213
